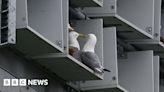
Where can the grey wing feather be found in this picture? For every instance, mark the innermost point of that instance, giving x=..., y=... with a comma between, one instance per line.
x=90, y=59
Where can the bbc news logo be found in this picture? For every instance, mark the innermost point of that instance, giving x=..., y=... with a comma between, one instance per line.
x=25, y=82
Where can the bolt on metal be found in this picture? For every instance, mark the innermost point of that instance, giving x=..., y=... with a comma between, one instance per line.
x=114, y=78
x=59, y=43
x=149, y=30
x=112, y=7
x=156, y=35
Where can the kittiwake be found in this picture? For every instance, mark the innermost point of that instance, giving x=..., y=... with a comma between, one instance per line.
x=88, y=55
x=74, y=47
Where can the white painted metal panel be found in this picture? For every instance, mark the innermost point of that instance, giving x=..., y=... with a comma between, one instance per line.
x=157, y=19
x=136, y=72
x=47, y=19
x=156, y=73
x=138, y=12
x=65, y=5
x=21, y=14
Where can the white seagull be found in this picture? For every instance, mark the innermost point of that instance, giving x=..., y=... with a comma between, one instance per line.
x=89, y=57
x=74, y=47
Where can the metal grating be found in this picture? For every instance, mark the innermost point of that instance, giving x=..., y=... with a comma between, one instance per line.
x=4, y=20
x=8, y=22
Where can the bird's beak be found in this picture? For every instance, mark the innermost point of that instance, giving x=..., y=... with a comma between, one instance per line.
x=71, y=29
x=82, y=35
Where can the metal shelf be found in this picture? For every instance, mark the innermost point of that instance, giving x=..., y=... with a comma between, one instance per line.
x=155, y=45
x=116, y=13
x=125, y=29
x=113, y=88
x=47, y=20
x=30, y=43
x=66, y=67
x=86, y=3
x=69, y=68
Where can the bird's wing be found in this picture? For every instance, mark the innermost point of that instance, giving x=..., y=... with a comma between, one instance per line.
x=90, y=59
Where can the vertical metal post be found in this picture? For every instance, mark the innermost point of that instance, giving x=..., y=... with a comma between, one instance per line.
x=12, y=21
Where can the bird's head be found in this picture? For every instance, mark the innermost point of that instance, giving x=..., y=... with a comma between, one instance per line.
x=91, y=37
x=91, y=43
x=74, y=34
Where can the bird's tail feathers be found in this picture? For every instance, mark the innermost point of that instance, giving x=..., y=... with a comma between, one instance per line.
x=106, y=70
x=99, y=70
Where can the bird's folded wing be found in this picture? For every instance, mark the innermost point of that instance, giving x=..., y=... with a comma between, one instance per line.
x=90, y=59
